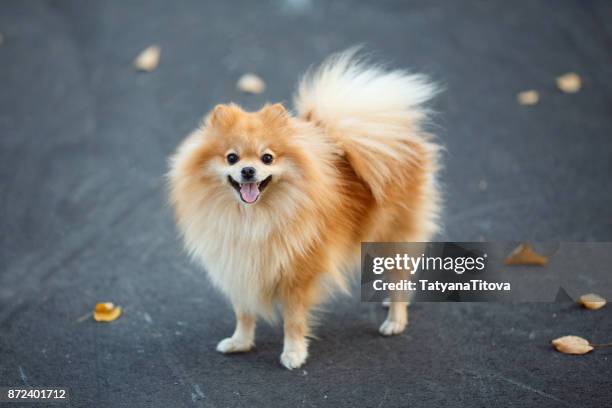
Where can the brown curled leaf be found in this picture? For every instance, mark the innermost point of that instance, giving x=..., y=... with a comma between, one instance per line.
x=106, y=312
x=592, y=301
x=524, y=254
x=572, y=345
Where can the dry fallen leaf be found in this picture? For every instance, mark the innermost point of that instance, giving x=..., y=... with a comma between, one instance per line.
x=525, y=255
x=569, y=83
x=592, y=301
x=529, y=97
x=251, y=83
x=572, y=345
x=148, y=59
x=106, y=312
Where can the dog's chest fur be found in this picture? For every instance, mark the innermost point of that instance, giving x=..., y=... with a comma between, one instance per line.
x=240, y=256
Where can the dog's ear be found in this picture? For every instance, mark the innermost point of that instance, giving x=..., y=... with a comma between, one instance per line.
x=222, y=116
x=274, y=113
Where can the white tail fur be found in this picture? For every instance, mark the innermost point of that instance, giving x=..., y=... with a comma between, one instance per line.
x=374, y=114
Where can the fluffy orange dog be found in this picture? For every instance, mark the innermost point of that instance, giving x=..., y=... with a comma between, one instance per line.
x=275, y=205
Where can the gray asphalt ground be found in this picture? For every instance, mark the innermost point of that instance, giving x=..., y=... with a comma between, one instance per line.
x=83, y=146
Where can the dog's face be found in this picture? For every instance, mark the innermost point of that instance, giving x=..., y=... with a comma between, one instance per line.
x=248, y=154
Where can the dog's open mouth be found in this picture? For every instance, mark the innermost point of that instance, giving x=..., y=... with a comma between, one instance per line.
x=249, y=192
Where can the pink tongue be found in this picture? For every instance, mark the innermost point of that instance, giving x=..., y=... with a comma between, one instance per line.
x=249, y=192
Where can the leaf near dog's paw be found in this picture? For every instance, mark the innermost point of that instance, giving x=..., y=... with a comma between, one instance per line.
x=569, y=83
x=251, y=83
x=530, y=97
x=525, y=255
x=106, y=312
x=148, y=59
x=572, y=345
x=592, y=301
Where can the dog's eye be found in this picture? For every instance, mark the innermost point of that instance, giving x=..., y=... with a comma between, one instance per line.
x=232, y=158
x=267, y=158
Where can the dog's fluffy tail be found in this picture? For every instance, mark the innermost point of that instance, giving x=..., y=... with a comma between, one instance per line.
x=374, y=114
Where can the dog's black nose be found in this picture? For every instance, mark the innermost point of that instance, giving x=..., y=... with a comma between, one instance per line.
x=248, y=173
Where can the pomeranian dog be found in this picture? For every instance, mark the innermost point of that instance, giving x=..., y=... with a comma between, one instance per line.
x=274, y=205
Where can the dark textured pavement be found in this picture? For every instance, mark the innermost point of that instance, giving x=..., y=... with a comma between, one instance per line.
x=83, y=146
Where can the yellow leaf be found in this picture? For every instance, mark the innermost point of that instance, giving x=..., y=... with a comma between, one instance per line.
x=592, y=301
x=251, y=83
x=525, y=255
x=148, y=59
x=572, y=345
x=569, y=83
x=530, y=97
x=106, y=312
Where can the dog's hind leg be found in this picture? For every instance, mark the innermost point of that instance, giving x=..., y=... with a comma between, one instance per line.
x=397, y=316
x=243, y=338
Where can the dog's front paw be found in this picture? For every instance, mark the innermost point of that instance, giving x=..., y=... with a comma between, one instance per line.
x=293, y=358
x=391, y=327
x=233, y=345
